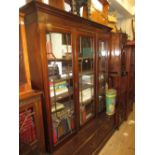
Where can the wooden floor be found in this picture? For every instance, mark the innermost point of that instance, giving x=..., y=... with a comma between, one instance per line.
x=90, y=139
x=123, y=141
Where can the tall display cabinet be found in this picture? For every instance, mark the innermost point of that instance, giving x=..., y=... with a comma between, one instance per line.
x=118, y=73
x=69, y=63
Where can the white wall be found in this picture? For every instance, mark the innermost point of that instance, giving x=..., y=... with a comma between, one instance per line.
x=128, y=5
x=21, y=3
x=126, y=26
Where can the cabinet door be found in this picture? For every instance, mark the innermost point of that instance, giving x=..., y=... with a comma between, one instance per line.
x=102, y=73
x=60, y=75
x=86, y=78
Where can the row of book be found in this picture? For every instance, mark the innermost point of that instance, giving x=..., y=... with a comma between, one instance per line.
x=27, y=127
x=84, y=115
x=62, y=128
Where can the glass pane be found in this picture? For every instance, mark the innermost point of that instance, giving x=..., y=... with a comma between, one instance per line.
x=22, y=75
x=60, y=73
x=86, y=79
x=102, y=78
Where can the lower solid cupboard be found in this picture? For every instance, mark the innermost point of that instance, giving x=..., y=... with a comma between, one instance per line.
x=69, y=63
x=31, y=131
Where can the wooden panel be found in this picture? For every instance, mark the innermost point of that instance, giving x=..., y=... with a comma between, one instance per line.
x=25, y=84
x=32, y=100
x=115, y=54
x=118, y=53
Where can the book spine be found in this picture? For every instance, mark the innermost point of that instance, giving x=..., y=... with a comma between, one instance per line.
x=72, y=123
x=55, y=135
x=27, y=133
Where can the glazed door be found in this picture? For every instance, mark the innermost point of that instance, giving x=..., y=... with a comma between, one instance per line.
x=61, y=85
x=86, y=78
x=102, y=73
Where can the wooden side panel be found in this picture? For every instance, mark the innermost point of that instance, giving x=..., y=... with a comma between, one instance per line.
x=33, y=101
x=24, y=87
x=115, y=54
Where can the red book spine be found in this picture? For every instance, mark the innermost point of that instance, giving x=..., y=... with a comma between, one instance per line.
x=33, y=133
x=72, y=123
x=54, y=135
x=27, y=134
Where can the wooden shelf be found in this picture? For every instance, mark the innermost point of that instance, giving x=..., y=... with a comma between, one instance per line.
x=63, y=59
x=85, y=86
x=89, y=101
x=83, y=58
x=86, y=72
x=63, y=95
x=62, y=79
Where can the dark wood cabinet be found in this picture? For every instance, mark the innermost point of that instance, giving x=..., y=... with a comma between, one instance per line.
x=130, y=67
x=31, y=131
x=118, y=75
x=118, y=54
x=69, y=63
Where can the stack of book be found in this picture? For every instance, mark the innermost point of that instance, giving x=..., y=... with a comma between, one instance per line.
x=58, y=87
x=27, y=127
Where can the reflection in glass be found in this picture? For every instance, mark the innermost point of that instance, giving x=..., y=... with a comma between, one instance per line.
x=86, y=79
x=102, y=78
